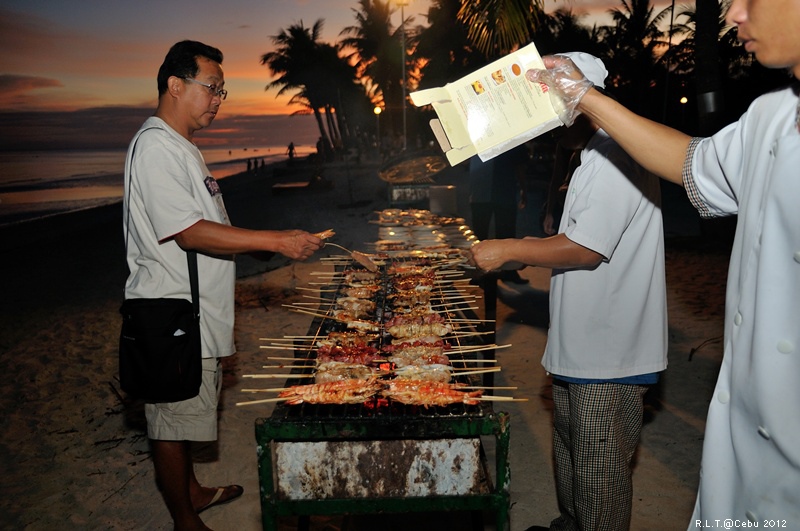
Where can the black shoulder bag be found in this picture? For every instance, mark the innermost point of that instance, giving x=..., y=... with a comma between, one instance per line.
x=159, y=345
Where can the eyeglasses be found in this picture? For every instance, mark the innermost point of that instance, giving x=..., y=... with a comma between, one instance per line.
x=212, y=89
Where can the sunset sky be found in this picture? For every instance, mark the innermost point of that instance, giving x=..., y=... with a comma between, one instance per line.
x=99, y=54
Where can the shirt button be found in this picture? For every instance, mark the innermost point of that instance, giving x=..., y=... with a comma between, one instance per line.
x=737, y=319
x=797, y=257
x=724, y=397
x=763, y=432
x=751, y=516
x=785, y=346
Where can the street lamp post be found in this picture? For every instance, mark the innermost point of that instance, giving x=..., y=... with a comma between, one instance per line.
x=403, y=4
x=377, y=110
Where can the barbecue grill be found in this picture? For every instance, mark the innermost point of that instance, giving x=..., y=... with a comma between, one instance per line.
x=381, y=456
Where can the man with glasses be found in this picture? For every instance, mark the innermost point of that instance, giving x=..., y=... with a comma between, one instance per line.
x=172, y=205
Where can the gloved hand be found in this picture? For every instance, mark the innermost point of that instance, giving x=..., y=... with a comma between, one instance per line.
x=566, y=83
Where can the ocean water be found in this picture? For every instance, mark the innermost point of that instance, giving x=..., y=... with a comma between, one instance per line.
x=35, y=184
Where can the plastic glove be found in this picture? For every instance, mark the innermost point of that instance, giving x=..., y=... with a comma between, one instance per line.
x=566, y=84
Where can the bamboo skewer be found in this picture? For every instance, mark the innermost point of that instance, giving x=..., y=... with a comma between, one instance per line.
x=489, y=387
x=316, y=290
x=286, y=347
x=289, y=376
x=480, y=371
x=468, y=348
x=287, y=366
x=328, y=316
x=262, y=401
x=495, y=398
x=291, y=339
x=489, y=398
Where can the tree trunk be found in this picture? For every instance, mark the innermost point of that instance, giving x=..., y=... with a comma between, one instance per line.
x=323, y=133
x=707, y=67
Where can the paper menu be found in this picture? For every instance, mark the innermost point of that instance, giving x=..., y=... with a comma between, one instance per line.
x=491, y=110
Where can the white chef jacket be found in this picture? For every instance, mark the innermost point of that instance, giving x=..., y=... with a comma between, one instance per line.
x=172, y=190
x=750, y=471
x=610, y=321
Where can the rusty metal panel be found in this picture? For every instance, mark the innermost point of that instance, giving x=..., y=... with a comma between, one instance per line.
x=384, y=468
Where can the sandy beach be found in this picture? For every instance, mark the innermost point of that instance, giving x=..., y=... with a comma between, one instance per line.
x=73, y=447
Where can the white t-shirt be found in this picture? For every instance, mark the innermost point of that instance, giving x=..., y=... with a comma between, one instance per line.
x=610, y=321
x=172, y=190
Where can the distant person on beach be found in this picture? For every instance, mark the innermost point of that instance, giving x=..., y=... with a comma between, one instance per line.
x=290, y=151
x=176, y=206
x=607, y=341
x=750, y=469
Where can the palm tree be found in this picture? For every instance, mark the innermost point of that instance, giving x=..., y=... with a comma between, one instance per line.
x=730, y=80
x=563, y=31
x=497, y=27
x=377, y=54
x=315, y=74
x=633, y=45
x=444, y=47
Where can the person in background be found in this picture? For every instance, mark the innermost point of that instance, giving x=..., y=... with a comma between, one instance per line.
x=564, y=163
x=607, y=341
x=174, y=205
x=750, y=468
x=497, y=190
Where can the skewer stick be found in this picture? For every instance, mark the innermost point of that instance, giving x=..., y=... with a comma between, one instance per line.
x=263, y=401
x=288, y=366
x=453, y=306
x=496, y=388
x=480, y=371
x=289, y=339
x=278, y=375
x=472, y=320
x=273, y=390
x=286, y=347
x=302, y=310
x=469, y=349
x=286, y=359
x=467, y=334
x=495, y=398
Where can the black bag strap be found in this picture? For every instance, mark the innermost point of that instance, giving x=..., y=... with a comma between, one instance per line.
x=191, y=256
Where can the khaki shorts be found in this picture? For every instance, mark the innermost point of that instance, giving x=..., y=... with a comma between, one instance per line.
x=189, y=420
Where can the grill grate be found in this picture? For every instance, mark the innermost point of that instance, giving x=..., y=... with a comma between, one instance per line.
x=379, y=407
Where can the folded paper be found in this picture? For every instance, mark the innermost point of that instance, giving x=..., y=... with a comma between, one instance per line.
x=492, y=110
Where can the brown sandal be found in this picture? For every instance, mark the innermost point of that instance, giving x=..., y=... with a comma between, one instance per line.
x=219, y=500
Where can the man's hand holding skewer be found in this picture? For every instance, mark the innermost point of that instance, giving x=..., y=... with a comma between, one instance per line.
x=490, y=255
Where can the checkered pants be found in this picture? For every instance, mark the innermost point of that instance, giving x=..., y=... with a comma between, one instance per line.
x=596, y=430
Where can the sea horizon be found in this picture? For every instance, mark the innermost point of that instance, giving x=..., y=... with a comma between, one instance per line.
x=36, y=184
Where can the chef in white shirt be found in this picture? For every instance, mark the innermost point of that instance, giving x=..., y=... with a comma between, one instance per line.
x=750, y=470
